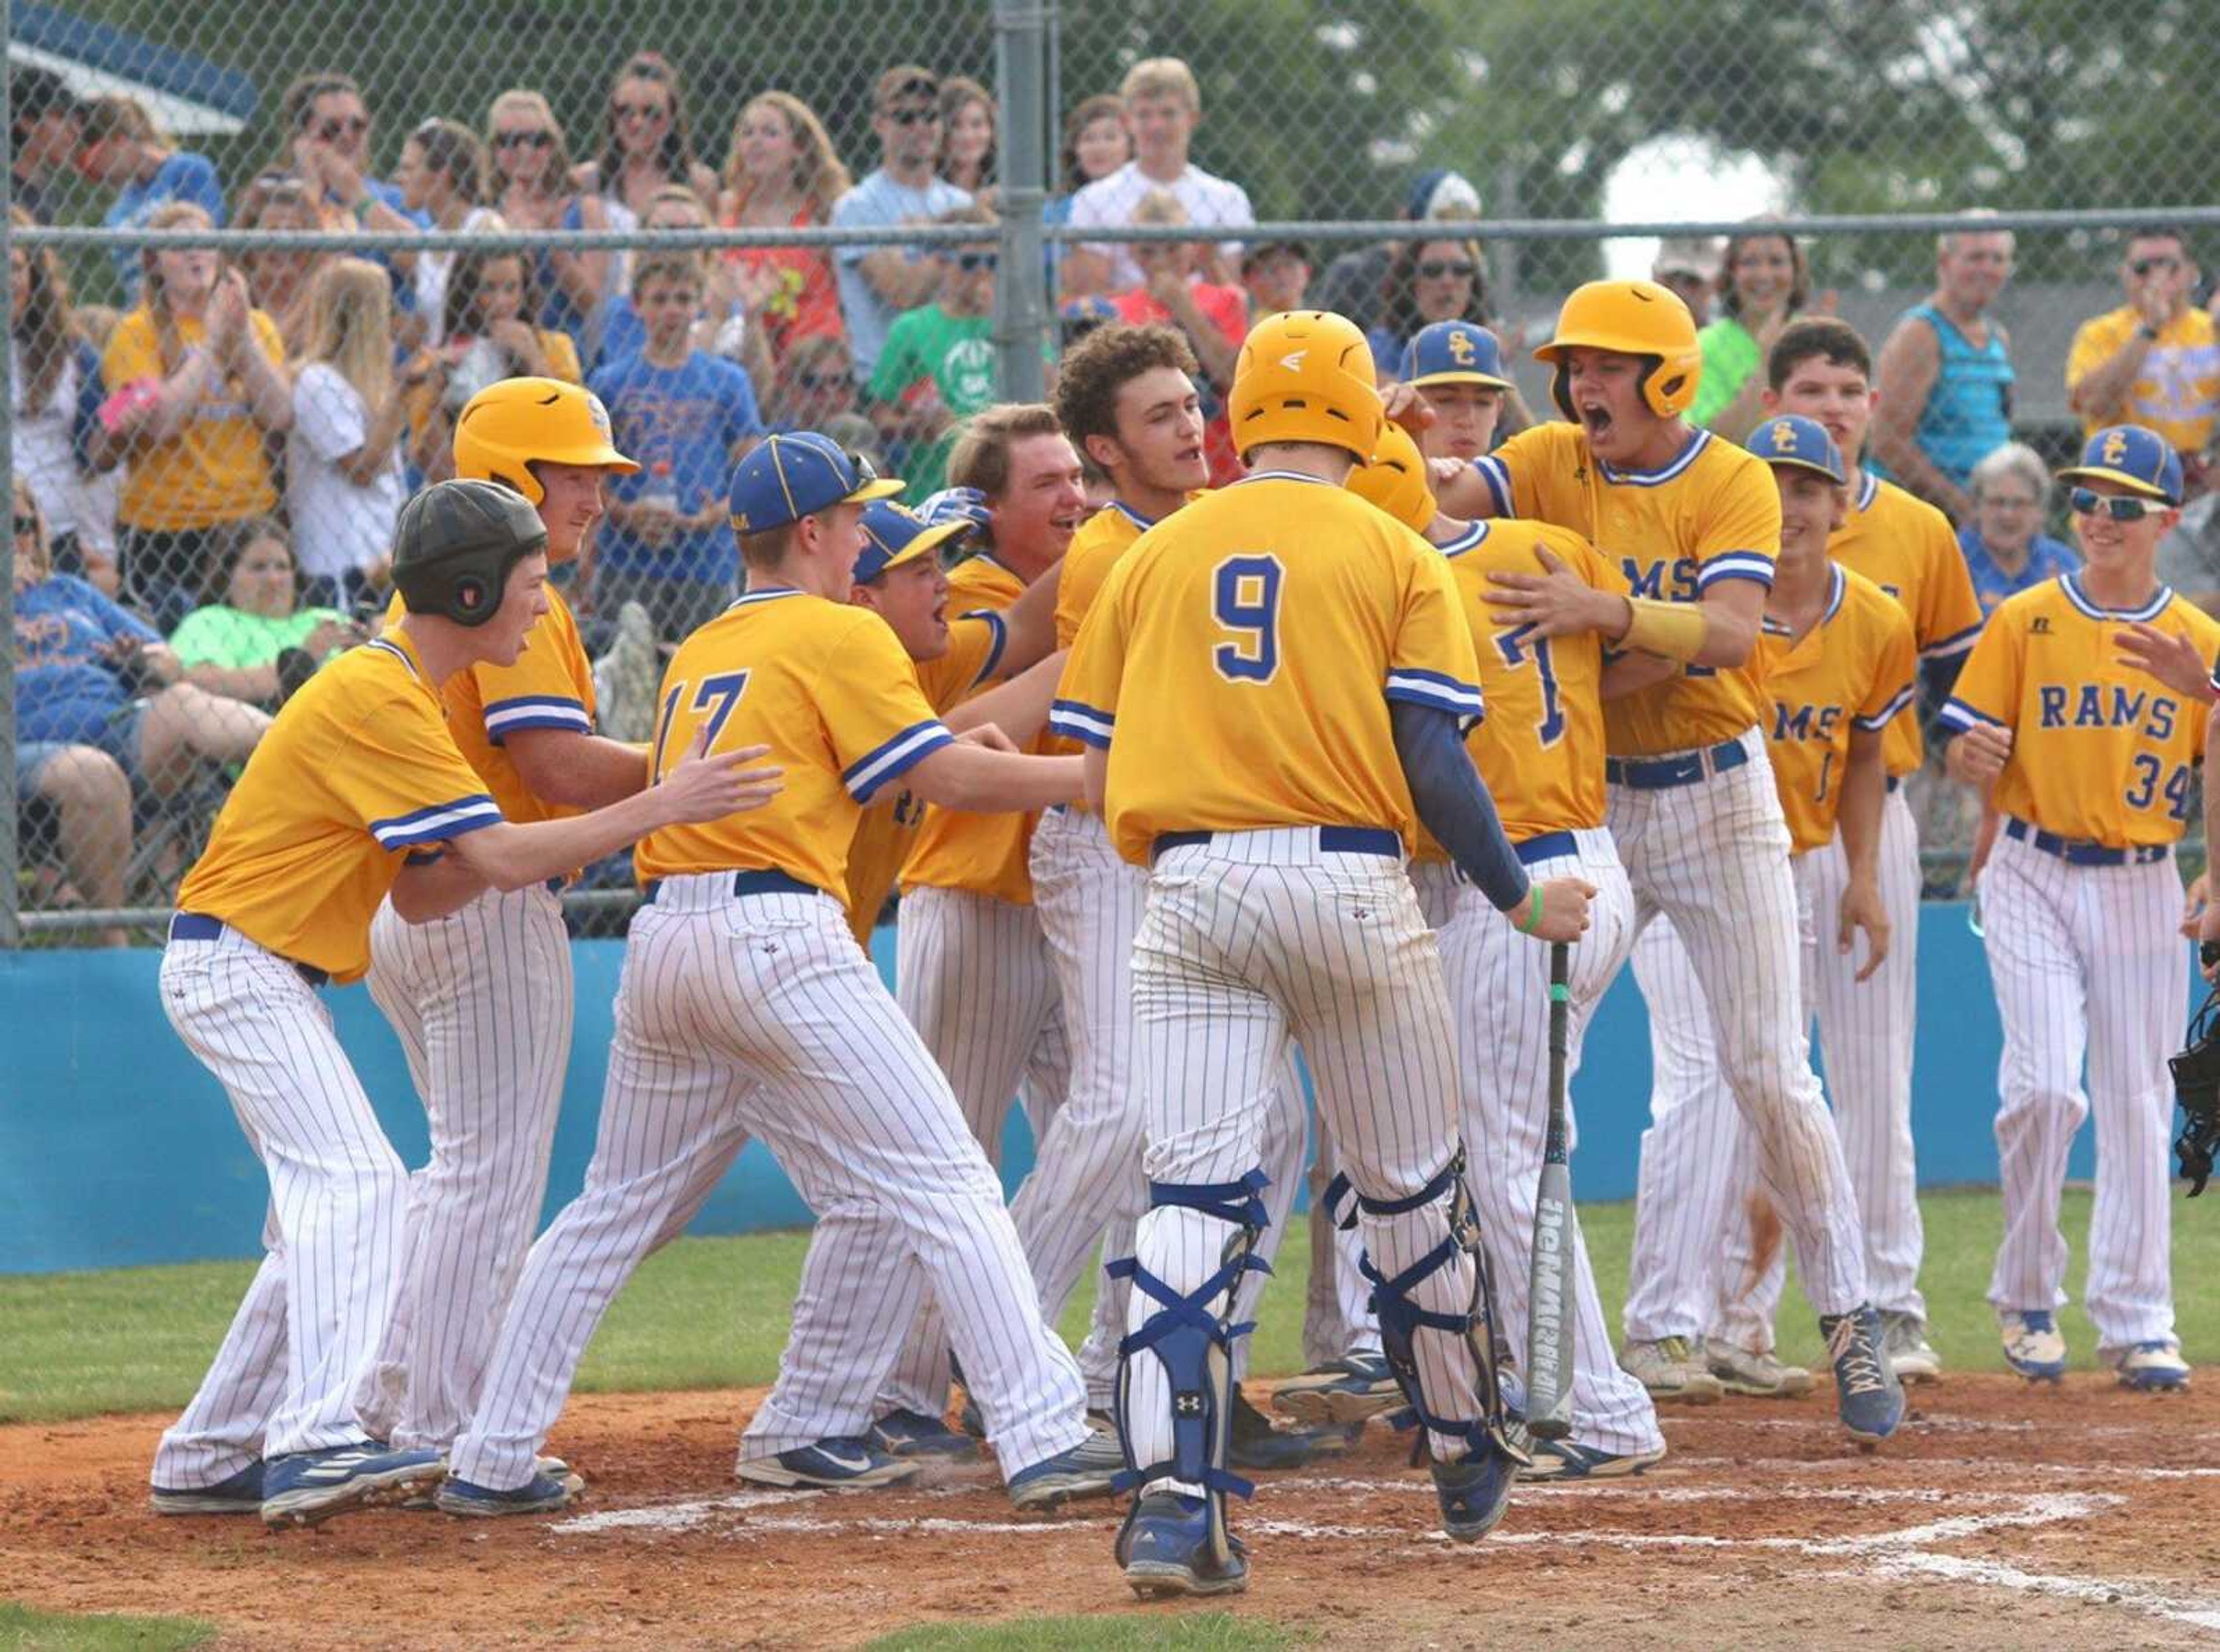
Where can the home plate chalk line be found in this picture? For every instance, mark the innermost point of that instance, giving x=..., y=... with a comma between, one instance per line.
x=1903, y=1555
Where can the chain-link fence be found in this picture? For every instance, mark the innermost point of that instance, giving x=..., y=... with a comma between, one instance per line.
x=712, y=218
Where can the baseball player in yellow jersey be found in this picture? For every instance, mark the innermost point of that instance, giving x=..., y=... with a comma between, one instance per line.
x=2090, y=763
x=481, y=999
x=1694, y=522
x=356, y=789
x=1541, y=752
x=747, y=1008
x=1839, y=658
x=1299, y=681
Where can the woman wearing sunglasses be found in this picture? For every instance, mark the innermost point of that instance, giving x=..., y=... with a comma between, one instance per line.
x=651, y=143
x=1428, y=282
x=2075, y=720
x=532, y=190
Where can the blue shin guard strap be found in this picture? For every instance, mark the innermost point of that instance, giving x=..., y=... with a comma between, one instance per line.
x=1181, y=1334
x=1240, y=1203
x=1336, y=1200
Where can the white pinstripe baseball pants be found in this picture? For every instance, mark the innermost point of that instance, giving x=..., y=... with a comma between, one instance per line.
x=758, y=1013
x=283, y=1379
x=2088, y=968
x=482, y=1002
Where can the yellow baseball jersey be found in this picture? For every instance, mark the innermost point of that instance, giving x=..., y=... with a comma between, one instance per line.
x=2177, y=393
x=1102, y=539
x=1265, y=629
x=824, y=685
x=883, y=836
x=1541, y=749
x=1851, y=671
x=358, y=770
x=215, y=468
x=986, y=854
x=2101, y=752
x=1906, y=546
x=1712, y=514
x=551, y=686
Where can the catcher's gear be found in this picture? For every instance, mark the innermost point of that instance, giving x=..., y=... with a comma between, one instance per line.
x=508, y=425
x=1305, y=376
x=1394, y=479
x=455, y=544
x=2197, y=1087
x=1632, y=318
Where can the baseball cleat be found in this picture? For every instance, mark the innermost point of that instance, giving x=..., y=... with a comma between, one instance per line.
x=1339, y=1392
x=1165, y=1549
x=1904, y=1339
x=304, y=1487
x=537, y=1495
x=914, y=1436
x=1568, y=1460
x=1087, y=1469
x=240, y=1494
x=835, y=1465
x=2152, y=1367
x=1740, y=1371
x=1475, y=1491
x=1254, y=1444
x=2032, y=1345
x=1670, y=1369
x=1867, y=1393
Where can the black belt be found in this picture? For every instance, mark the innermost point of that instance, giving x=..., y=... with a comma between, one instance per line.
x=756, y=883
x=1333, y=840
x=198, y=926
x=1655, y=774
x=2078, y=852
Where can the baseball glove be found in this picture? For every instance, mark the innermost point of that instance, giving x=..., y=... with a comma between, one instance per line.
x=2197, y=1087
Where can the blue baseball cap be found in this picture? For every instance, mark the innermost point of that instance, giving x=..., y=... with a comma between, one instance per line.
x=1094, y=307
x=894, y=534
x=785, y=478
x=1454, y=353
x=2138, y=459
x=1791, y=438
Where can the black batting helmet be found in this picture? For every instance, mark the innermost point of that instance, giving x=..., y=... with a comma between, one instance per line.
x=455, y=544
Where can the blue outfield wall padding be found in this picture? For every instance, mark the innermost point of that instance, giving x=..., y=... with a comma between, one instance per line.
x=117, y=1147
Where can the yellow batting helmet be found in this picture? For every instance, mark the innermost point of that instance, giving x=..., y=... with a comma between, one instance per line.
x=1394, y=478
x=1305, y=376
x=508, y=425
x=1633, y=318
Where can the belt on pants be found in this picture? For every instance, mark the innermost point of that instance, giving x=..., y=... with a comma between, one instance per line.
x=1548, y=845
x=2078, y=851
x=770, y=882
x=199, y=926
x=1655, y=774
x=1331, y=840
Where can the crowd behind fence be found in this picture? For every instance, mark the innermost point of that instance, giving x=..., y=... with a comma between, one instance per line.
x=229, y=364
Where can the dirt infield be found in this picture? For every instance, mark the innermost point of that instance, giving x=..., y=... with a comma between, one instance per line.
x=2002, y=1515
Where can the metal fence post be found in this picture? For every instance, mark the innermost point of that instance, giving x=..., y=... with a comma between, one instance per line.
x=1021, y=313
x=11, y=888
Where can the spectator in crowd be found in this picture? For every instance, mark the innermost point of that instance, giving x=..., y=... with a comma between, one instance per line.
x=726, y=326
x=967, y=135
x=1946, y=375
x=782, y=174
x=651, y=143
x=2006, y=550
x=279, y=280
x=488, y=335
x=815, y=382
x=1077, y=317
x=49, y=364
x=1096, y=143
x=1356, y=283
x=1765, y=285
x=2155, y=360
x=196, y=382
x=327, y=127
x=1427, y=281
x=938, y=367
x=1277, y=275
x=1214, y=318
x=531, y=187
x=687, y=416
x=43, y=115
x=442, y=177
x=344, y=485
x=877, y=284
x=1687, y=266
x=122, y=149
x=1164, y=106
x=257, y=642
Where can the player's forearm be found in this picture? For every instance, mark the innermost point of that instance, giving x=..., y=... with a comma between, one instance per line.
x=2103, y=390
x=976, y=780
x=1865, y=784
x=1631, y=673
x=430, y=888
x=574, y=770
x=1467, y=496
x=1453, y=803
x=1019, y=707
x=512, y=856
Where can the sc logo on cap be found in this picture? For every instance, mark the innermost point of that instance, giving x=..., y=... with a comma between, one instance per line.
x=1784, y=436
x=1463, y=351
x=2116, y=447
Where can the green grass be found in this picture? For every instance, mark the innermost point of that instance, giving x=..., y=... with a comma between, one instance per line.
x=713, y=1313
x=23, y=1629
x=1211, y=1631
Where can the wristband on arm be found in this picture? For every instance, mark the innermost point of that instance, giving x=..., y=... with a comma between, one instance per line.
x=1674, y=629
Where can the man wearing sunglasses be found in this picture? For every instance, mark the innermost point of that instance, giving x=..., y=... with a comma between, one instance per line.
x=937, y=364
x=2155, y=360
x=2089, y=760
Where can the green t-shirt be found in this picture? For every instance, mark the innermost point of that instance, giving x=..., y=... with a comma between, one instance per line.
x=956, y=352
x=1731, y=355
x=232, y=639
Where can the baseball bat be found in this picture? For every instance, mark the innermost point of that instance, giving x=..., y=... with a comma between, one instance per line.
x=1548, y=1318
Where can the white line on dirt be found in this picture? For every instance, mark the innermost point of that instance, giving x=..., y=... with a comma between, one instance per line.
x=1959, y=1568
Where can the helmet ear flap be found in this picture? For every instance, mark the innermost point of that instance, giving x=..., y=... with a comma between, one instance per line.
x=1660, y=392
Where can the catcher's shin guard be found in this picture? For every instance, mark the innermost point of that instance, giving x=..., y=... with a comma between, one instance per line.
x=1192, y=1334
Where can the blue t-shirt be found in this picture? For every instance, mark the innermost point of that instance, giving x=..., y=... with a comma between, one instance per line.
x=681, y=423
x=876, y=201
x=623, y=334
x=183, y=176
x=2047, y=558
x=65, y=691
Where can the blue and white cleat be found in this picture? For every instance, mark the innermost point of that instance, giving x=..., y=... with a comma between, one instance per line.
x=2152, y=1367
x=1087, y=1469
x=539, y=1495
x=1568, y=1460
x=1165, y=1549
x=914, y=1436
x=835, y=1465
x=240, y=1494
x=2032, y=1345
x=305, y=1487
x=1867, y=1395
x=1475, y=1491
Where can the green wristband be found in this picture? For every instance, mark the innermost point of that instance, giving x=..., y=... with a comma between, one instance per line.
x=1533, y=920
